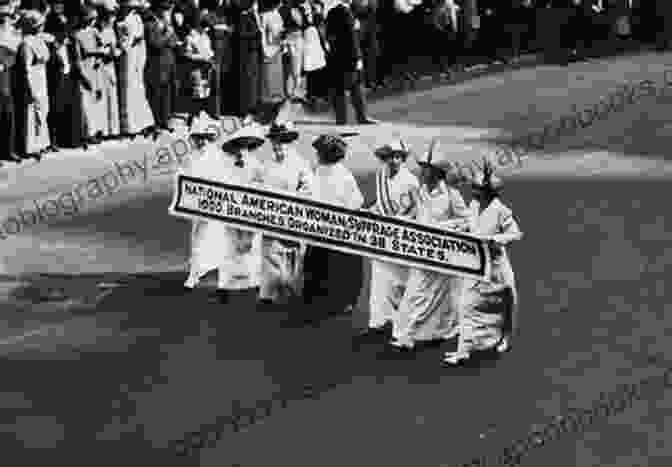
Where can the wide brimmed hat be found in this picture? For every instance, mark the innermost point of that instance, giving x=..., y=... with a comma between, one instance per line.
x=437, y=158
x=249, y=137
x=282, y=133
x=205, y=127
x=389, y=150
x=332, y=147
x=31, y=20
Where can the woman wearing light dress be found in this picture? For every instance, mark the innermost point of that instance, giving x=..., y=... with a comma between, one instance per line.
x=111, y=125
x=33, y=54
x=272, y=77
x=135, y=114
x=235, y=253
x=429, y=309
x=489, y=310
x=286, y=171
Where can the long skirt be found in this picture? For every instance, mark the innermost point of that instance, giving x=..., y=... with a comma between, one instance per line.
x=111, y=124
x=65, y=115
x=334, y=275
x=93, y=110
x=489, y=310
x=134, y=111
x=272, y=80
x=7, y=127
x=235, y=254
x=282, y=270
x=429, y=308
x=387, y=287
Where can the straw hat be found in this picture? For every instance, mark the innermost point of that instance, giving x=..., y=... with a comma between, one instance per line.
x=283, y=133
x=248, y=137
x=388, y=150
x=205, y=127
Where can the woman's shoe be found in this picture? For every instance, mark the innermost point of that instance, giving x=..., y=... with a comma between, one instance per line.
x=455, y=358
x=504, y=345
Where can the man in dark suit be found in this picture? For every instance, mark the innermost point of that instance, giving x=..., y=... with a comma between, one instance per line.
x=161, y=68
x=219, y=18
x=345, y=62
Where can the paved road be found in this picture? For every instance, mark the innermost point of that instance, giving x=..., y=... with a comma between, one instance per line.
x=107, y=374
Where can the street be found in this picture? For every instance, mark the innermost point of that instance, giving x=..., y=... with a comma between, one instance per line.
x=105, y=361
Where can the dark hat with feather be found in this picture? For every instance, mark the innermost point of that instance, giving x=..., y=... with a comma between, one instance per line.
x=332, y=147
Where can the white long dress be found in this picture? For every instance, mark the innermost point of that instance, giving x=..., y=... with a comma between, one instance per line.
x=235, y=253
x=430, y=305
x=395, y=198
x=490, y=307
x=282, y=266
x=134, y=111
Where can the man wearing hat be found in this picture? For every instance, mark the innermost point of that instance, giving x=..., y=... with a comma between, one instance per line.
x=161, y=69
x=429, y=308
x=235, y=253
x=9, y=44
x=283, y=259
x=330, y=273
x=395, y=193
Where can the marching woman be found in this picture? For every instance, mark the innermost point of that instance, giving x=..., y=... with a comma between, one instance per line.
x=489, y=309
x=395, y=192
x=334, y=184
x=282, y=265
x=235, y=253
x=134, y=111
x=429, y=307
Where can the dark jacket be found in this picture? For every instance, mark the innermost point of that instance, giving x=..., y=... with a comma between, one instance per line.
x=161, y=46
x=343, y=40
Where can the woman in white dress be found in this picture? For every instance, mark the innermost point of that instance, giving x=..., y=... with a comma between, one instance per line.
x=429, y=308
x=489, y=311
x=330, y=273
x=395, y=197
x=33, y=54
x=134, y=111
x=235, y=253
x=282, y=267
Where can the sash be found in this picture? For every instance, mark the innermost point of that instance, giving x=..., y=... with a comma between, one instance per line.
x=384, y=202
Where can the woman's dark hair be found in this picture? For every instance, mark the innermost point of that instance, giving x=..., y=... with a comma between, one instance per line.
x=268, y=5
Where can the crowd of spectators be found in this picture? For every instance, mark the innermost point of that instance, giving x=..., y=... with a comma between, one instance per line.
x=74, y=73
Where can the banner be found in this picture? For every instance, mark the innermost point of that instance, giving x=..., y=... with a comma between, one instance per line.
x=363, y=233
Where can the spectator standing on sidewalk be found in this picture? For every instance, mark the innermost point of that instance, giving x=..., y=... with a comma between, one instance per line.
x=111, y=123
x=272, y=72
x=161, y=69
x=663, y=24
x=219, y=14
x=33, y=55
x=9, y=45
x=294, y=26
x=134, y=111
x=315, y=58
x=64, y=112
x=443, y=37
x=198, y=54
x=366, y=12
x=247, y=46
x=89, y=60
x=346, y=63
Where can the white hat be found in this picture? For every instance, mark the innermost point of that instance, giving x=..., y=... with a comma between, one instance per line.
x=204, y=125
x=249, y=136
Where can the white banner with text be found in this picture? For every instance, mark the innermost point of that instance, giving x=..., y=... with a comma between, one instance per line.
x=358, y=232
